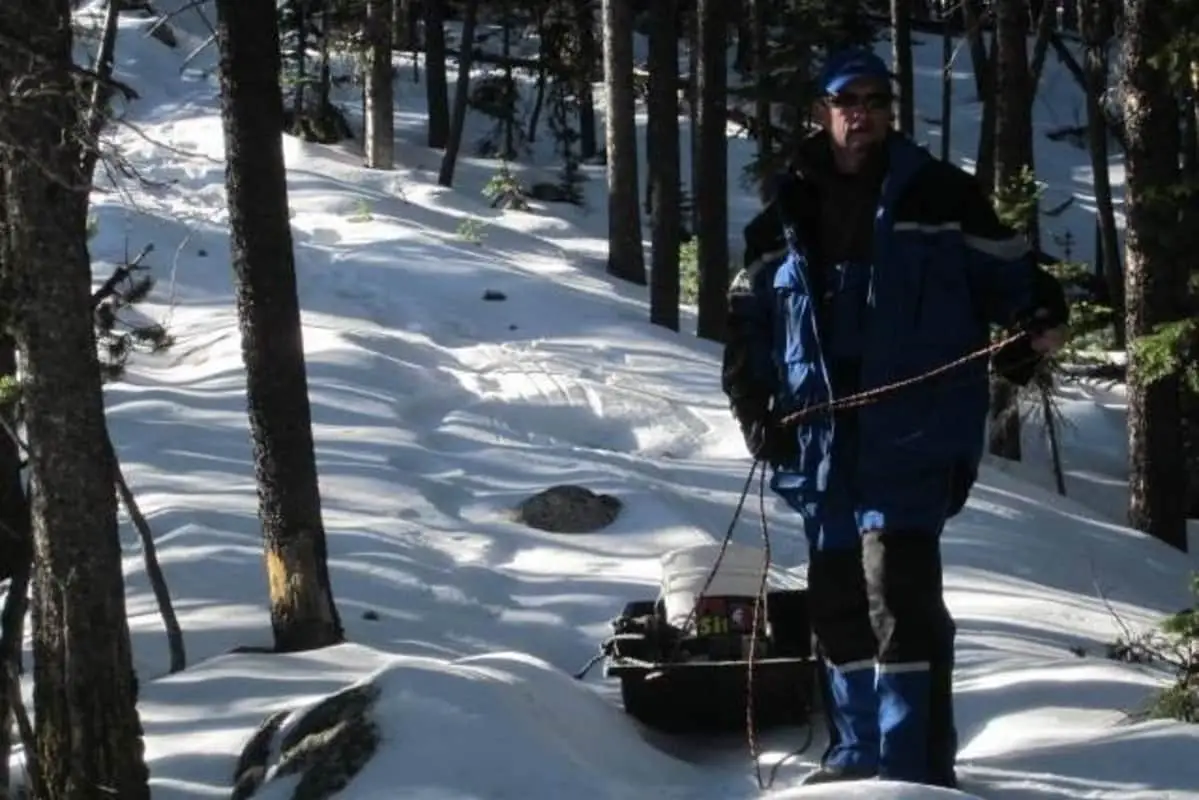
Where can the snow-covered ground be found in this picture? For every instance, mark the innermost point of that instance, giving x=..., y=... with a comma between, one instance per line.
x=435, y=411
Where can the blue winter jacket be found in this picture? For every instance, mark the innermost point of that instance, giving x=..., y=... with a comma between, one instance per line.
x=944, y=270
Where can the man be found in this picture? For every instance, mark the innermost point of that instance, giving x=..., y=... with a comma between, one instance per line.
x=873, y=264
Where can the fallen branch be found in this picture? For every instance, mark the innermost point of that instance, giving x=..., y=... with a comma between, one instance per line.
x=158, y=581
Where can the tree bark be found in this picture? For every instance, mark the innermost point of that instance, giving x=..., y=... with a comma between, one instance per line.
x=303, y=615
x=1095, y=21
x=663, y=137
x=88, y=733
x=1013, y=153
x=1156, y=275
x=763, y=101
x=101, y=89
x=380, y=96
x=901, y=60
x=586, y=97
x=946, y=18
x=984, y=81
x=16, y=546
x=711, y=188
x=437, y=87
x=449, y=159
x=626, y=258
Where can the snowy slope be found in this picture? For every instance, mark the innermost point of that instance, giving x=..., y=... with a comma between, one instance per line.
x=435, y=411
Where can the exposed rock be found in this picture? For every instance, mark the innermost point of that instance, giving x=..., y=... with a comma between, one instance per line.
x=252, y=763
x=568, y=509
x=326, y=747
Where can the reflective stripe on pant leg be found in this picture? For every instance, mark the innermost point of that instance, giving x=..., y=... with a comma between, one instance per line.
x=903, y=580
x=841, y=622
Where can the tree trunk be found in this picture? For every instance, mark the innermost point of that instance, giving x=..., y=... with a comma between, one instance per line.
x=1096, y=27
x=403, y=35
x=88, y=734
x=663, y=136
x=972, y=16
x=303, y=615
x=588, y=146
x=449, y=159
x=16, y=546
x=901, y=63
x=743, y=21
x=711, y=188
x=437, y=87
x=1040, y=46
x=1156, y=275
x=759, y=22
x=693, y=82
x=626, y=259
x=984, y=79
x=380, y=97
x=946, y=84
x=508, y=153
x=543, y=57
x=97, y=113
x=1013, y=139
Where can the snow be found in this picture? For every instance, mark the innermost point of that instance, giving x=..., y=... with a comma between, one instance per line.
x=436, y=411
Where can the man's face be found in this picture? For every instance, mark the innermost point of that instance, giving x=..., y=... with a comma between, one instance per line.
x=858, y=116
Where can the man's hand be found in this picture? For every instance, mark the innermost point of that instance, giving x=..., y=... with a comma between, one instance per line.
x=1046, y=341
x=767, y=440
x=1049, y=342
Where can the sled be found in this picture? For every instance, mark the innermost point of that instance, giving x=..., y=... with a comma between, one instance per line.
x=683, y=672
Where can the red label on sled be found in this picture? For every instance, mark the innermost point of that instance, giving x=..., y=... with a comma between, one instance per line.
x=724, y=616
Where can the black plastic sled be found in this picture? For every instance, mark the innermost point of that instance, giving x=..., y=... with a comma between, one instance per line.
x=679, y=681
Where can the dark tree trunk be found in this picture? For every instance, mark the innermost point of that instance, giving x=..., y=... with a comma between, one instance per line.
x=1013, y=146
x=984, y=79
x=97, y=113
x=693, y=111
x=663, y=138
x=711, y=190
x=1156, y=275
x=901, y=63
x=588, y=55
x=760, y=33
x=972, y=16
x=16, y=546
x=626, y=258
x=403, y=35
x=437, y=87
x=303, y=614
x=88, y=734
x=380, y=98
x=946, y=85
x=449, y=158
x=1095, y=21
x=743, y=20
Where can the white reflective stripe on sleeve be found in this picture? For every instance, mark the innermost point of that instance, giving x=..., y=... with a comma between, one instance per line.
x=1008, y=249
x=921, y=227
x=907, y=666
x=766, y=258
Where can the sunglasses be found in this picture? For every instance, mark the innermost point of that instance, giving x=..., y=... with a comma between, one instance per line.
x=873, y=101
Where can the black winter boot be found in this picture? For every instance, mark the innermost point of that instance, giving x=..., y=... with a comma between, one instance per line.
x=834, y=774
